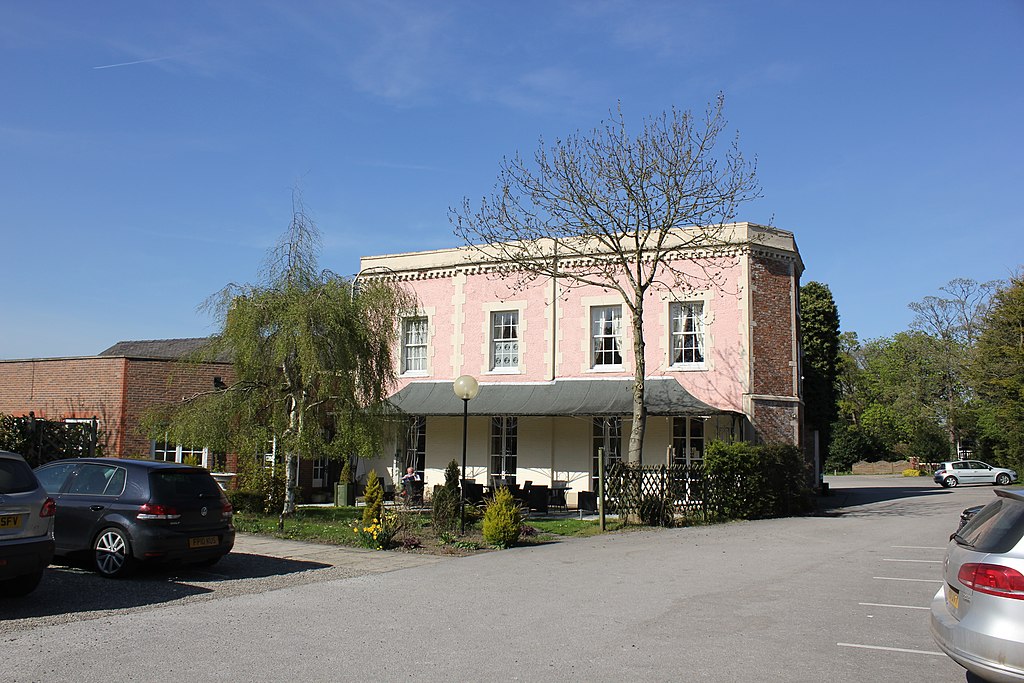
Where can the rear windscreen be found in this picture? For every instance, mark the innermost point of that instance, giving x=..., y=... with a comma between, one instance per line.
x=176, y=484
x=16, y=477
x=996, y=529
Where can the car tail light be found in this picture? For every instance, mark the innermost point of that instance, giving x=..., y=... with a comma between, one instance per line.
x=227, y=509
x=938, y=472
x=151, y=511
x=993, y=579
x=49, y=508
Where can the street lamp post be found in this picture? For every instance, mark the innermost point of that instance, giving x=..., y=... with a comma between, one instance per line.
x=466, y=388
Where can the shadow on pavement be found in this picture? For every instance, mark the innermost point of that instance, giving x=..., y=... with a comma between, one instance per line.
x=841, y=499
x=68, y=589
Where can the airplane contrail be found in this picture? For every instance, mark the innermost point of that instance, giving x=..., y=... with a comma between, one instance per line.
x=140, y=61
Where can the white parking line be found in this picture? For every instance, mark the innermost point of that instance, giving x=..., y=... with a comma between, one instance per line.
x=892, y=649
x=890, y=559
x=882, y=604
x=896, y=578
x=919, y=547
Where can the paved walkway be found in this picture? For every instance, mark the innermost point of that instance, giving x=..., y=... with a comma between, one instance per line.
x=372, y=561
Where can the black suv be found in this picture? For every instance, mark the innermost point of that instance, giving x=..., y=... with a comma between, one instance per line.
x=120, y=512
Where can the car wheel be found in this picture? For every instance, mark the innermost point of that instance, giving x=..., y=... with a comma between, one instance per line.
x=1003, y=479
x=950, y=482
x=111, y=554
x=20, y=585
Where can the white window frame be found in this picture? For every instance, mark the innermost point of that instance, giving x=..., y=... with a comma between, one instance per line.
x=606, y=433
x=679, y=334
x=504, y=346
x=504, y=447
x=319, y=468
x=177, y=453
x=600, y=335
x=684, y=438
x=415, y=364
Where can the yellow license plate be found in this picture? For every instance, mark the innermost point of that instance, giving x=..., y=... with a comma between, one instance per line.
x=10, y=521
x=203, y=542
x=952, y=597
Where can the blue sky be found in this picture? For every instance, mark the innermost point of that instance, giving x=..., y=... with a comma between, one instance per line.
x=148, y=150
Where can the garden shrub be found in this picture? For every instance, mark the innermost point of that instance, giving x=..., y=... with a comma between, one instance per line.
x=911, y=472
x=346, y=472
x=446, y=503
x=503, y=520
x=374, y=499
x=251, y=502
x=655, y=511
x=744, y=481
x=444, y=511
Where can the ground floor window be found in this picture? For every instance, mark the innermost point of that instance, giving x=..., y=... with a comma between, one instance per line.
x=504, y=448
x=416, y=446
x=168, y=451
x=607, y=435
x=319, y=472
x=687, y=440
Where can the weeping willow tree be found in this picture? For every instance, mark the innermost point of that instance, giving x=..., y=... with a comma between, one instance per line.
x=313, y=362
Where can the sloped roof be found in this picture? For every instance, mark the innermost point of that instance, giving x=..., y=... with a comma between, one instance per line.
x=664, y=396
x=177, y=349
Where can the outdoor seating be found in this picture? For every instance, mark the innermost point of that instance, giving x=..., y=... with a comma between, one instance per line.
x=473, y=492
x=586, y=501
x=537, y=498
x=556, y=495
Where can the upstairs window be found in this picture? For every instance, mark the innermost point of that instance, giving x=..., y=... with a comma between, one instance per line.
x=414, y=345
x=606, y=335
x=505, y=341
x=687, y=333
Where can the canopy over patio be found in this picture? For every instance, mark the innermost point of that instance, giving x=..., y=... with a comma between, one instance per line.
x=597, y=397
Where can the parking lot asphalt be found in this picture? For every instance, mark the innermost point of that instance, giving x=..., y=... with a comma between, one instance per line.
x=841, y=595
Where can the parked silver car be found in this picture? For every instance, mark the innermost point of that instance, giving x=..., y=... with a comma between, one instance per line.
x=978, y=615
x=26, y=527
x=951, y=474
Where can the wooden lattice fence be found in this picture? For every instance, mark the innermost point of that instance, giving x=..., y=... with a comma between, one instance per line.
x=658, y=494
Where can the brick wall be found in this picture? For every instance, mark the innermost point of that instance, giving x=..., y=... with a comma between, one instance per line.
x=151, y=382
x=773, y=351
x=116, y=390
x=59, y=388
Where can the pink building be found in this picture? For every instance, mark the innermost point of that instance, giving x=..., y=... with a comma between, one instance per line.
x=555, y=364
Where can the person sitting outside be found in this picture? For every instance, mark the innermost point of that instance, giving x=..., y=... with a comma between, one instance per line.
x=412, y=486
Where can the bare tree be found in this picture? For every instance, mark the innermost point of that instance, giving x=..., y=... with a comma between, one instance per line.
x=954, y=321
x=616, y=211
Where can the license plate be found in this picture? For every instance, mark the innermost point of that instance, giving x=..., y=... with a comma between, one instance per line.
x=10, y=521
x=203, y=542
x=952, y=597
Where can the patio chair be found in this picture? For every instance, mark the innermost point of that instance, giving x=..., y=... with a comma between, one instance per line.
x=537, y=498
x=557, y=494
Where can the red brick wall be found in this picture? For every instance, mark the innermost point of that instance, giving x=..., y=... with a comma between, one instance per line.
x=154, y=382
x=114, y=389
x=60, y=388
x=773, y=352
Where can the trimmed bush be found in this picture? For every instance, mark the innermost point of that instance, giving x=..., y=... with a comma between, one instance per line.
x=910, y=472
x=374, y=499
x=744, y=481
x=503, y=520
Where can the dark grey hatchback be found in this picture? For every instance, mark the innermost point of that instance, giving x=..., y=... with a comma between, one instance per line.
x=119, y=512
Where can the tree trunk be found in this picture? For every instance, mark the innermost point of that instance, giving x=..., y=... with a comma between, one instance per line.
x=291, y=464
x=639, y=427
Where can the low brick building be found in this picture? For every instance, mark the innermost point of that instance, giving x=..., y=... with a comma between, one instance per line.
x=116, y=387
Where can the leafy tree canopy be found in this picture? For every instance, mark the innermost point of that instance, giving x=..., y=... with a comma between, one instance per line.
x=313, y=361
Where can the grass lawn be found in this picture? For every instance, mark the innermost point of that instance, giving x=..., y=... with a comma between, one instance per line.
x=334, y=525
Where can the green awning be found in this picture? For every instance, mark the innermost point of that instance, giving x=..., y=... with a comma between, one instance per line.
x=664, y=396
